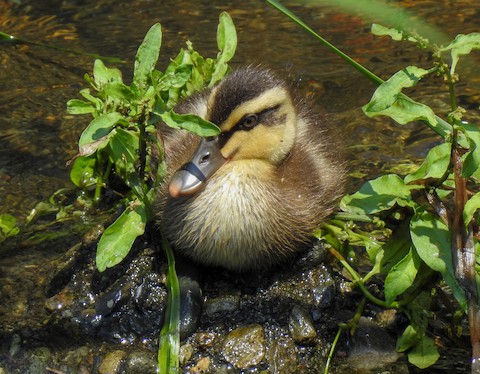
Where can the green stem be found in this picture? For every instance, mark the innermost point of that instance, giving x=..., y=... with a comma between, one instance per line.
x=443, y=128
x=375, y=79
x=359, y=282
x=334, y=345
x=169, y=341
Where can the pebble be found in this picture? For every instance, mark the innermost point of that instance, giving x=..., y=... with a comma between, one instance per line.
x=244, y=346
x=112, y=362
x=371, y=347
x=282, y=356
x=226, y=303
x=301, y=326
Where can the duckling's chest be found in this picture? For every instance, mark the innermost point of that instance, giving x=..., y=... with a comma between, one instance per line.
x=234, y=214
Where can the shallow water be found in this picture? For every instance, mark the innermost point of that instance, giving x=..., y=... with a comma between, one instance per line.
x=37, y=137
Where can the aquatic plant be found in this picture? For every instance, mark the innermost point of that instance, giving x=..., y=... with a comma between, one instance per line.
x=416, y=227
x=118, y=144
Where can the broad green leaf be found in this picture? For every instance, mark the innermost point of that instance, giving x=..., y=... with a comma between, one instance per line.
x=472, y=205
x=432, y=239
x=435, y=164
x=462, y=45
x=424, y=353
x=123, y=147
x=226, y=37
x=471, y=165
x=396, y=247
x=377, y=195
x=82, y=173
x=94, y=100
x=119, y=92
x=8, y=226
x=401, y=276
x=408, y=338
x=98, y=128
x=388, y=99
x=118, y=238
x=227, y=44
x=103, y=75
x=76, y=106
x=191, y=123
x=395, y=34
x=176, y=78
x=147, y=56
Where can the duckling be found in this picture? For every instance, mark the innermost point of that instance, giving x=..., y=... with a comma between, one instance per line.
x=250, y=197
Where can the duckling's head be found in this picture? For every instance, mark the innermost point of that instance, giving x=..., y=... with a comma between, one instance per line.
x=257, y=118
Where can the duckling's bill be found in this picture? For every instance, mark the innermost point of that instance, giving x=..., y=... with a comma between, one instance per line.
x=191, y=177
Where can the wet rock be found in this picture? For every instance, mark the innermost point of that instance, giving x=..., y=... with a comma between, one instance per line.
x=191, y=302
x=202, y=366
x=244, y=346
x=371, y=347
x=313, y=286
x=40, y=358
x=225, y=303
x=185, y=354
x=206, y=339
x=282, y=356
x=301, y=326
x=112, y=362
x=141, y=362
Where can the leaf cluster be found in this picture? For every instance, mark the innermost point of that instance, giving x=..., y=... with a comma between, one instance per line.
x=116, y=147
x=413, y=221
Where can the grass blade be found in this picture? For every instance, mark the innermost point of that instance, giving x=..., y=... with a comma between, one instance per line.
x=169, y=341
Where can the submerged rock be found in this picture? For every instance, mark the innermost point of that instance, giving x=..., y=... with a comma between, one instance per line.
x=244, y=346
x=371, y=347
x=301, y=326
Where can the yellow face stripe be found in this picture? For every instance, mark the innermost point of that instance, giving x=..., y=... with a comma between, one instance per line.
x=276, y=96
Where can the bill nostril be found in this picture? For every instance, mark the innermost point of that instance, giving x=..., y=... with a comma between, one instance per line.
x=205, y=158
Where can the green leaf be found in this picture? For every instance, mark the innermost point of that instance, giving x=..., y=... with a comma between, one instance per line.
x=8, y=226
x=435, y=164
x=147, y=56
x=82, y=173
x=401, y=276
x=424, y=353
x=462, y=45
x=190, y=122
x=388, y=99
x=103, y=75
x=98, y=129
x=76, y=106
x=431, y=239
x=227, y=44
x=169, y=340
x=118, y=238
x=471, y=165
x=123, y=147
x=395, y=34
x=378, y=195
x=409, y=337
x=119, y=92
x=98, y=103
x=471, y=207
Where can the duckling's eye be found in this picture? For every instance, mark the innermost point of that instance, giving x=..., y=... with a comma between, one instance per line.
x=248, y=122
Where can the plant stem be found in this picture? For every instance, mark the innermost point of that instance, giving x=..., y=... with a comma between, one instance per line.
x=443, y=128
x=359, y=282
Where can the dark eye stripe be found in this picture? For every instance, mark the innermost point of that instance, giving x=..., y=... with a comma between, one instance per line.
x=261, y=117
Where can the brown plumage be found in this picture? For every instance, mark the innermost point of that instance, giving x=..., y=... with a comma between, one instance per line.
x=271, y=176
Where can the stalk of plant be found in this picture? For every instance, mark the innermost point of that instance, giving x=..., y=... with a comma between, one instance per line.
x=428, y=238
